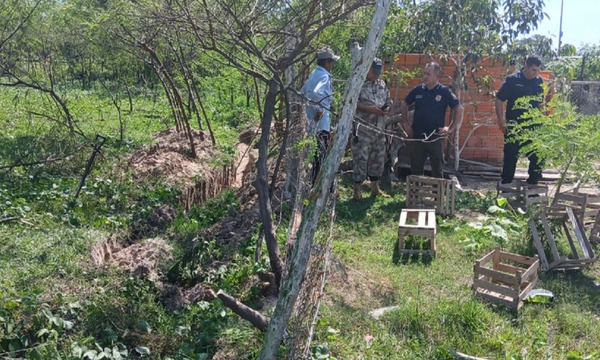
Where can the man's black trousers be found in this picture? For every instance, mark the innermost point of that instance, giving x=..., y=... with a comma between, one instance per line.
x=511, y=155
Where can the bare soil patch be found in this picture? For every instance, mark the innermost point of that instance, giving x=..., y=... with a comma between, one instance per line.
x=355, y=287
x=141, y=259
x=169, y=158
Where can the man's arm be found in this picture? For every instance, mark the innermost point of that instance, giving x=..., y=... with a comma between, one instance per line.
x=500, y=115
x=406, y=122
x=456, y=114
x=373, y=109
x=319, y=94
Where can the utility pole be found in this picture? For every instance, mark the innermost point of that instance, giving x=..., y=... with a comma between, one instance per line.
x=560, y=33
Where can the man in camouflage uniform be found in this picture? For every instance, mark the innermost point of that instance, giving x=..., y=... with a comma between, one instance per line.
x=368, y=143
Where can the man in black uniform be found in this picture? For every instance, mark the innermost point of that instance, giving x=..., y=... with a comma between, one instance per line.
x=431, y=100
x=520, y=84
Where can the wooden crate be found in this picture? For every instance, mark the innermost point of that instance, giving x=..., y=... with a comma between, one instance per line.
x=417, y=222
x=581, y=251
x=505, y=278
x=512, y=191
x=563, y=201
x=535, y=194
x=522, y=193
x=585, y=207
x=426, y=192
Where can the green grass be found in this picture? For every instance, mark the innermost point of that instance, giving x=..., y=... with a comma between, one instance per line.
x=437, y=314
x=55, y=305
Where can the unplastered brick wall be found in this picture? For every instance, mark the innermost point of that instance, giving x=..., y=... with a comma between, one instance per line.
x=484, y=77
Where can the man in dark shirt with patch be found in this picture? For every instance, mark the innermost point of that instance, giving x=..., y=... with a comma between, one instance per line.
x=520, y=84
x=431, y=100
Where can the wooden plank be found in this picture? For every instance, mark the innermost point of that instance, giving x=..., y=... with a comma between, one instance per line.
x=416, y=252
x=486, y=258
x=403, y=215
x=496, y=258
x=513, y=270
x=400, y=241
x=538, y=245
x=580, y=200
x=580, y=261
x=414, y=211
x=570, y=240
x=422, y=219
x=595, y=232
x=493, y=297
x=496, y=275
x=527, y=289
x=528, y=260
x=504, y=290
x=431, y=222
x=416, y=231
x=549, y=236
x=531, y=272
x=580, y=235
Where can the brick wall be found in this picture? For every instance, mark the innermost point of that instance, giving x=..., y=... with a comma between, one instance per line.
x=484, y=78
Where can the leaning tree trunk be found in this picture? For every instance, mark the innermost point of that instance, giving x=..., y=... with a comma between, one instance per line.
x=318, y=197
x=262, y=184
x=295, y=127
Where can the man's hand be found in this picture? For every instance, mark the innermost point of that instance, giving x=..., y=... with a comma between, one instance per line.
x=502, y=126
x=378, y=111
x=444, y=130
x=318, y=116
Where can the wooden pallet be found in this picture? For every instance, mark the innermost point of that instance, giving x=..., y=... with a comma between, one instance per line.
x=523, y=193
x=505, y=278
x=582, y=253
x=427, y=193
x=417, y=222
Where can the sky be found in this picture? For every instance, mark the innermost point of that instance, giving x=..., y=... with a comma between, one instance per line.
x=580, y=18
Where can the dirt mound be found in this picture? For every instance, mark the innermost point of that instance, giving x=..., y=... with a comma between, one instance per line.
x=156, y=223
x=234, y=229
x=141, y=259
x=169, y=159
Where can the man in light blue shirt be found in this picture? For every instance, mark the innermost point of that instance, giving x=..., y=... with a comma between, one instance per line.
x=318, y=90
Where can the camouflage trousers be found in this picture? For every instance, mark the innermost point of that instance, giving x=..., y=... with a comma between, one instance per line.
x=368, y=150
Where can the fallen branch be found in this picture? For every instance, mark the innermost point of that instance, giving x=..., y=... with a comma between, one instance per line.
x=48, y=160
x=254, y=317
x=19, y=219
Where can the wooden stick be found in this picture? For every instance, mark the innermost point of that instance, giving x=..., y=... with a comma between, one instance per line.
x=21, y=220
x=254, y=317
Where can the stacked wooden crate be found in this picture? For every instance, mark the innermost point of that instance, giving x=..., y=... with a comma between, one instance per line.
x=430, y=193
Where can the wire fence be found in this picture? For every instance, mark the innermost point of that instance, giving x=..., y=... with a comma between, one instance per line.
x=301, y=327
x=586, y=96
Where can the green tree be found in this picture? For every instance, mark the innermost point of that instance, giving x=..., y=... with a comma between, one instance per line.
x=584, y=66
x=562, y=138
x=535, y=44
